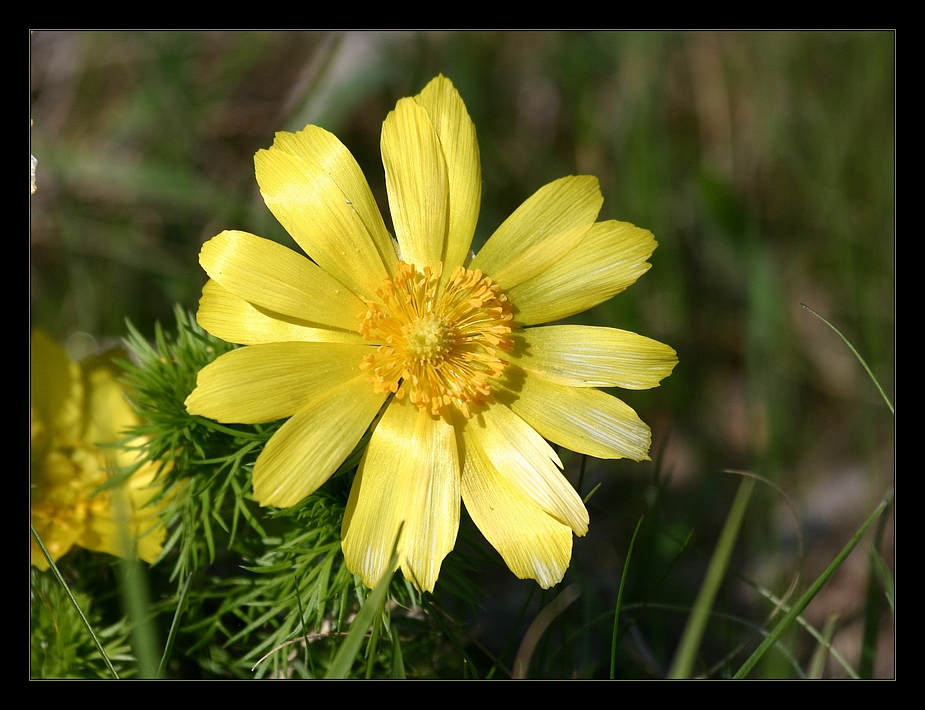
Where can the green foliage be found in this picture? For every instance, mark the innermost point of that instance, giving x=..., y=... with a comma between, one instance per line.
x=61, y=644
x=202, y=460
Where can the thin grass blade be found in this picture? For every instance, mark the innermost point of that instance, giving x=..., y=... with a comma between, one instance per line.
x=817, y=664
x=371, y=609
x=538, y=628
x=816, y=634
x=67, y=590
x=398, y=662
x=616, y=613
x=886, y=578
x=857, y=355
x=697, y=622
x=808, y=595
x=174, y=627
x=874, y=603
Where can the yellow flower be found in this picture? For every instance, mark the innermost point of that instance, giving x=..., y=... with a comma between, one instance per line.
x=74, y=408
x=430, y=350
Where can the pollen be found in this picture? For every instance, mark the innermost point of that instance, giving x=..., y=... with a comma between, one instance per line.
x=439, y=344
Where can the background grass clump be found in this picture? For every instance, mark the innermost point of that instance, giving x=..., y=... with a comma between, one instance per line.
x=764, y=165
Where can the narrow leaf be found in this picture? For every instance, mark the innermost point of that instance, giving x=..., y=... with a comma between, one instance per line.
x=67, y=590
x=697, y=622
x=371, y=609
x=808, y=596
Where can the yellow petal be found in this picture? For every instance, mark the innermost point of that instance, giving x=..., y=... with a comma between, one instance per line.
x=416, y=180
x=585, y=356
x=533, y=544
x=59, y=534
x=526, y=462
x=541, y=231
x=276, y=279
x=234, y=320
x=147, y=529
x=314, y=209
x=410, y=474
x=318, y=147
x=108, y=412
x=150, y=543
x=579, y=418
x=456, y=133
x=307, y=449
x=119, y=522
x=610, y=257
x=261, y=383
x=57, y=387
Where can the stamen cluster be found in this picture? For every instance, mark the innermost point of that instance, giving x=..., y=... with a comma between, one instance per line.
x=439, y=344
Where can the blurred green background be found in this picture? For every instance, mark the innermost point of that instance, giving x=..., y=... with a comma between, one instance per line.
x=762, y=162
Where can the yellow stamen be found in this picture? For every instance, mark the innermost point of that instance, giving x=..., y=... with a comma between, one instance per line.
x=437, y=346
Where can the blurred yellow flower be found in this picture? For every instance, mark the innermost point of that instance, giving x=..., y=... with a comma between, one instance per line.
x=430, y=350
x=75, y=407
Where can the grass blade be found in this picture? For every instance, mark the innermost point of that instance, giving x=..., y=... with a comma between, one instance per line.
x=856, y=354
x=817, y=664
x=886, y=579
x=820, y=638
x=398, y=662
x=875, y=578
x=808, y=596
x=697, y=622
x=538, y=628
x=616, y=613
x=174, y=627
x=67, y=590
x=371, y=608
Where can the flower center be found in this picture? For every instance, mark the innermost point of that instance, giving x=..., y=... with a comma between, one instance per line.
x=437, y=345
x=429, y=338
